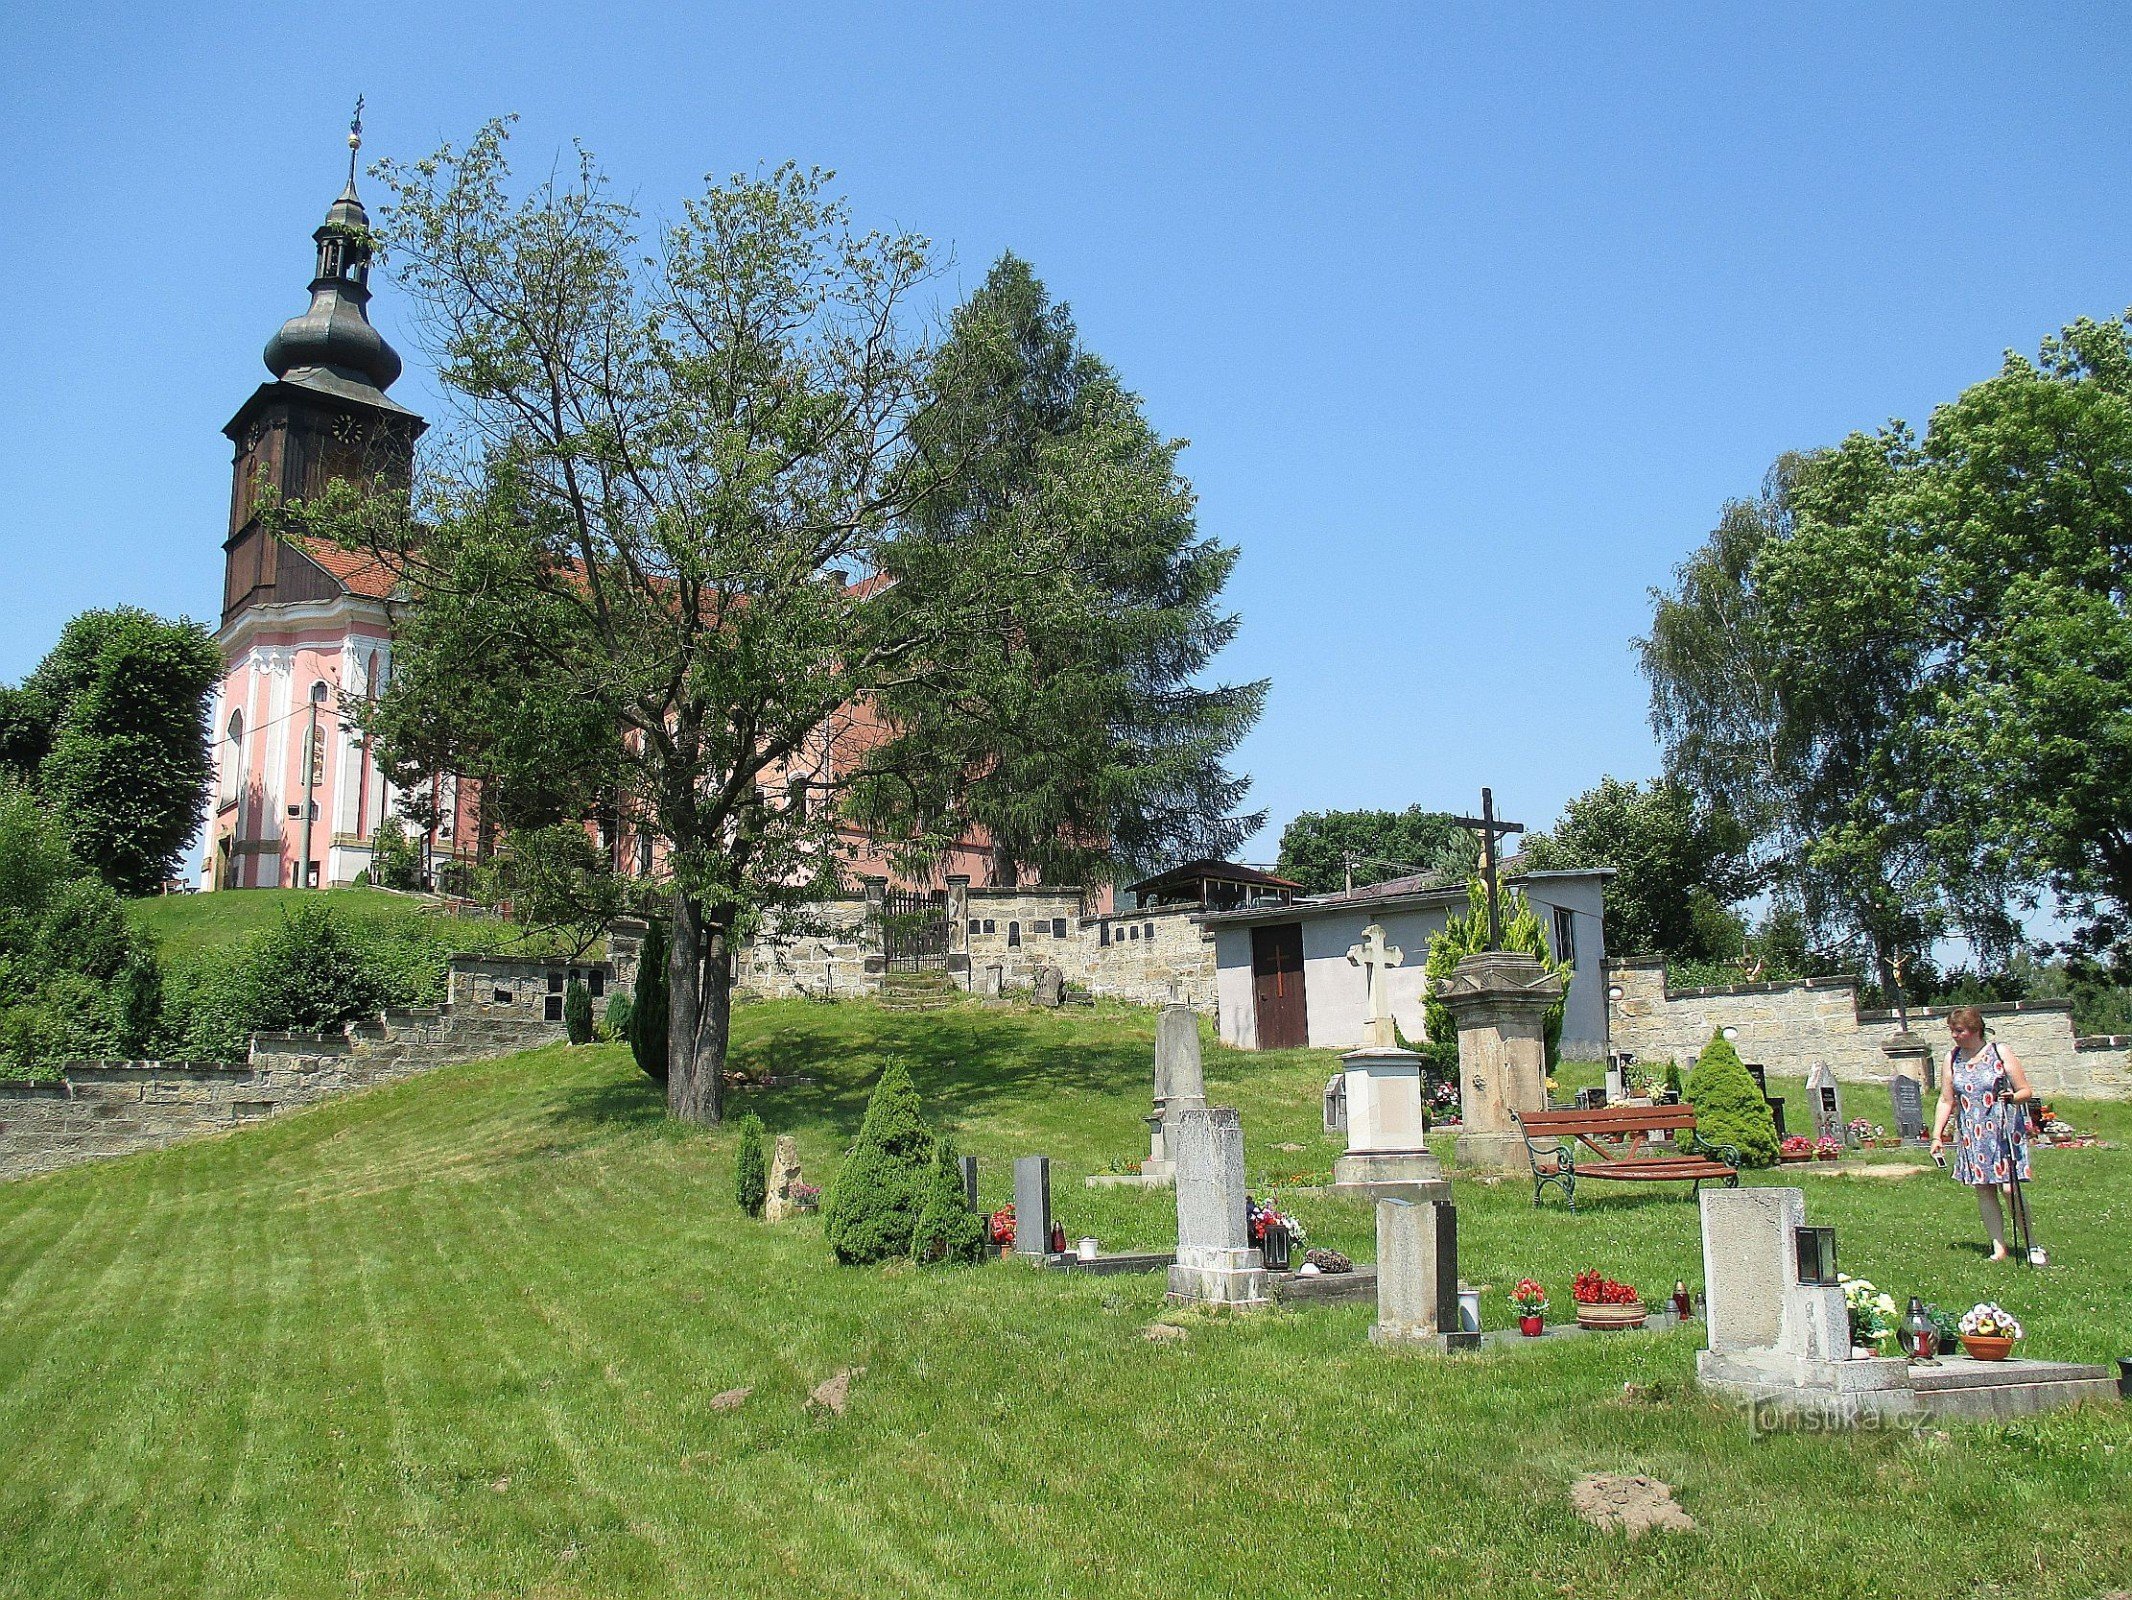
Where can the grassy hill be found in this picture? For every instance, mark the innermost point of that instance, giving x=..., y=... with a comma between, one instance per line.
x=460, y=1336
x=194, y=924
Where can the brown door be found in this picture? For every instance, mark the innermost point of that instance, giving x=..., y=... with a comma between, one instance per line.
x=1277, y=985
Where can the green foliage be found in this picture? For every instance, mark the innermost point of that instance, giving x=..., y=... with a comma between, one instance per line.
x=1677, y=864
x=395, y=858
x=555, y=879
x=614, y=1021
x=1318, y=846
x=1467, y=935
x=1085, y=740
x=872, y=1213
x=1673, y=1077
x=751, y=1168
x=947, y=1230
x=1728, y=1107
x=648, y=1010
x=126, y=769
x=313, y=972
x=577, y=1013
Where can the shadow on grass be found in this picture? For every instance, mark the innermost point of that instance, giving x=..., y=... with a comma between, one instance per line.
x=628, y=1100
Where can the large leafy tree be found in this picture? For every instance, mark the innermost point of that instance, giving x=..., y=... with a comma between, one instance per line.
x=1325, y=850
x=111, y=730
x=1675, y=861
x=1068, y=712
x=668, y=556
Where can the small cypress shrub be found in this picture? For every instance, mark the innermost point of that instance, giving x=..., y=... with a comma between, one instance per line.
x=873, y=1206
x=614, y=1021
x=1728, y=1108
x=1673, y=1077
x=577, y=1012
x=948, y=1230
x=648, y=1011
x=751, y=1172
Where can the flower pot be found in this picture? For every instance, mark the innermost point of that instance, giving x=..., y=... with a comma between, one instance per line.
x=1981, y=1348
x=1532, y=1326
x=1793, y=1161
x=1601, y=1317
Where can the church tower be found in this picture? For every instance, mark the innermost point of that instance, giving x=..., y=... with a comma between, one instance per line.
x=306, y=627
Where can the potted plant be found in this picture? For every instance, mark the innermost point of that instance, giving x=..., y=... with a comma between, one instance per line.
x=1003, y=1229
x=1949, y=1327
x=1873, y=1314
x=1989, y=1332
x=1530, y=1301
x=1276, y=1234
x=1827, y=1149
x=1603, y=1303
x=804, y=1197
x=1796, y=1147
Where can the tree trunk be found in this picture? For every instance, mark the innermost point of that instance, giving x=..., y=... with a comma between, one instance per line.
x=699, y=977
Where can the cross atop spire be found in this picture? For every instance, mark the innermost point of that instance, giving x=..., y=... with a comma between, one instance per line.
x=355, y=138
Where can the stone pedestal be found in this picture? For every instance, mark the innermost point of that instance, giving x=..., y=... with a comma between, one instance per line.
x=1500, y=999
x=1387, y=1151
x=1417, y=1277
x=784, y=1173
x=1215, y=1262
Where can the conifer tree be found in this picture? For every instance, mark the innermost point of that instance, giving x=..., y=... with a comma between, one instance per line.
x=948, y=1230
x=647, y=1009
x=751, y=1172
x=873, y=1207
x=1728, y=1107
x=1468, y=935
x=577, y=1013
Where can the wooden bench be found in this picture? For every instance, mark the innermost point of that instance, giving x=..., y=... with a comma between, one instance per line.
x=1615, y=1142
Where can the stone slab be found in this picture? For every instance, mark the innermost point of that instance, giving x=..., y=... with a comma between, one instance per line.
x=1358, y=1287
x=1417, y=1272
x=1032, y=1203
x=1747, y=1263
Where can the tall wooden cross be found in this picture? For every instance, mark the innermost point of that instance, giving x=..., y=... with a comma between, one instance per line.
x=1490, y=829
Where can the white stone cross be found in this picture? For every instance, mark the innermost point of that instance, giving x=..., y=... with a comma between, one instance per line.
x=1377, y=956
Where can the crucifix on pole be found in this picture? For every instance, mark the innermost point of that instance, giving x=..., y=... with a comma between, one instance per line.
x=1490, y=829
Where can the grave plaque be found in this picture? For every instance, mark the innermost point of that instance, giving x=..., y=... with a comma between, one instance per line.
x=969, y=1180
x=1417, y=1276
x=1760, y=1074
x=1032, y=1205
x=1909, y=1098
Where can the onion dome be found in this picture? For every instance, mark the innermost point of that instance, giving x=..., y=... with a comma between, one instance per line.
x=335, y=336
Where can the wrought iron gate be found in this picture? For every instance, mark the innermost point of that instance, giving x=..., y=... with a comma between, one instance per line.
x=914, y=929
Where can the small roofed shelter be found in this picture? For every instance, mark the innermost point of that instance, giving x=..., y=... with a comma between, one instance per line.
x=1212, y=886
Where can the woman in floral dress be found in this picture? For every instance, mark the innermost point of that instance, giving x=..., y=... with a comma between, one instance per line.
x=1991, y=1148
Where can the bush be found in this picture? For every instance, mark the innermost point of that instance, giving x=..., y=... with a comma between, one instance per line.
x=395, y=858
x=873, y=1209
x=577, y=1013
x=1673, y=1077
x=312, y=972
x=751, y=1172
x=648, y=1011
x=947, y=1229
x=614, y=1021
x=1728, y=1107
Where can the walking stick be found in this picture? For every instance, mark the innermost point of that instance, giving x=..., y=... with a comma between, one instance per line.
x=2031, y=1252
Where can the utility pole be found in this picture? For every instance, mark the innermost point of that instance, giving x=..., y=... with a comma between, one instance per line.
x=318, y=698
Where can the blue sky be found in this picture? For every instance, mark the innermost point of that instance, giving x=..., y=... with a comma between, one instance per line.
x=1474, y=321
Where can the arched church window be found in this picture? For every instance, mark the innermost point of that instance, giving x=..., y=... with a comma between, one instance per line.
x=233, y=757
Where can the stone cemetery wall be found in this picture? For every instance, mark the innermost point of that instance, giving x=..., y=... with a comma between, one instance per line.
x=1789, y=1026
x=112, y=1108
x=1141, y=957
x=833, y=954
x=528, y=988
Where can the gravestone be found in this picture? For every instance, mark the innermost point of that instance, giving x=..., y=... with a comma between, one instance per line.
x=991, y=981
x=1032, y=1205
x=1760, y=1074
x=1909, y=1098
x=1336, y=1103
x=1771, y=1337
x=1050, y=986
x=1617, y=1085
x=1215, y=1262
x=969, y=1180
x=1500, y=999
x=1180, y=1083
x=1380, y=1099
x=784, y=1175
x=1911, y=1055
x=1417, y=1277
x=1824, y=1096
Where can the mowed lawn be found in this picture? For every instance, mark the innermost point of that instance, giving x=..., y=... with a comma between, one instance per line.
x=460, y=1336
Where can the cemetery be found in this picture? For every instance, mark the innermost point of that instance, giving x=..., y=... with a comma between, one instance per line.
x=475, y=1319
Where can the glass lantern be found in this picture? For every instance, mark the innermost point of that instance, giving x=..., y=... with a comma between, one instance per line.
x=1816, y=1249
x=1918, y=1334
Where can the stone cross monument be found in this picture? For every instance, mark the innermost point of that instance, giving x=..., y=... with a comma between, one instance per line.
x=1387, y=1148
x=1500, y=999
x=1377, y=957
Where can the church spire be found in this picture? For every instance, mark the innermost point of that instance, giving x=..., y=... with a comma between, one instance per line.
x=334, y=338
